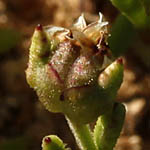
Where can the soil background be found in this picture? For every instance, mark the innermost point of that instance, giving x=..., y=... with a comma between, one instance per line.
x=23, y=119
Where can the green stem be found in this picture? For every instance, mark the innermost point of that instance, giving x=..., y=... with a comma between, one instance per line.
x=82, y=135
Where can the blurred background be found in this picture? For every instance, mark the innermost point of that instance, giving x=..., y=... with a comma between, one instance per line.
x=23, y=120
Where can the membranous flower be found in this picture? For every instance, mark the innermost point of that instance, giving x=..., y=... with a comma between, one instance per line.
x=72, y=70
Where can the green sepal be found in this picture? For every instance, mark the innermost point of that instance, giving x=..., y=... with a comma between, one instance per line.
x=111, y=78
x=39, y=47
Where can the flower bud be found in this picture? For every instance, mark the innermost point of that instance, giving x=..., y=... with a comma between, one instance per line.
x=71, y=71
x=52, y=142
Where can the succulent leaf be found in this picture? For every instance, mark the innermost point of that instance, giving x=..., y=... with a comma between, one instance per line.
x=108, y=127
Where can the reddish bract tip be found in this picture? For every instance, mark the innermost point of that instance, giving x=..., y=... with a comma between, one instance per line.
x=39, y=27
x=47, y=140
x=120, y=61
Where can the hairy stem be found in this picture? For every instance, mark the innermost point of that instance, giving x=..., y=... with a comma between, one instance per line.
x=82, y=135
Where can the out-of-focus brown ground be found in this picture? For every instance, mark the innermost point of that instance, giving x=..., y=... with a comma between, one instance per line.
x=21, y=114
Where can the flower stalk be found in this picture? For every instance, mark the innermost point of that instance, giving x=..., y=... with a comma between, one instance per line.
x=83, y=135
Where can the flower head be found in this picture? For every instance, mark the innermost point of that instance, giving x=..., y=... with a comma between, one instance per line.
x=71, y=69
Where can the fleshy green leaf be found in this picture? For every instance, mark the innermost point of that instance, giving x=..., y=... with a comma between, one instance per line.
x=108, y=127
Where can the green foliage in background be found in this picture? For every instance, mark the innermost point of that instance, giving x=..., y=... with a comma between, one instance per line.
x=134, y=10
x=122, y=35
x=146, y=4
x=128, y=27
